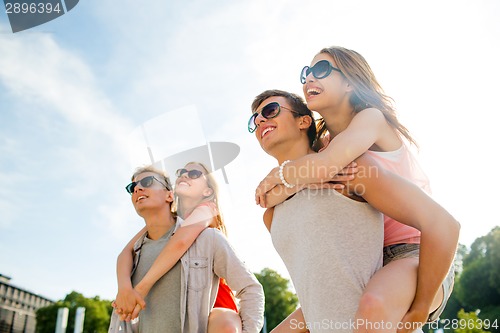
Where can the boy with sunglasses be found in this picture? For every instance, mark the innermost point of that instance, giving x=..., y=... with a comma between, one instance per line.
x=182, y=299
x=332, y=244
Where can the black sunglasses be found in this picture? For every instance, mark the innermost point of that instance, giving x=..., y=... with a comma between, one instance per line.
x=193, y=174
x=145, y=182
x=269, y=111
x=320, y=70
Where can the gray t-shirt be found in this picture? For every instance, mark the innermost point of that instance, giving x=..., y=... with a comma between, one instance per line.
x=162, y=313
x=331, y=246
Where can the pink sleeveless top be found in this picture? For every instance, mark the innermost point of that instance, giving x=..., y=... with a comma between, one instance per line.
x=403, y=163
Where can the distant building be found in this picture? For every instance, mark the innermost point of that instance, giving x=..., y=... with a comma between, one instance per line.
x=18, y=307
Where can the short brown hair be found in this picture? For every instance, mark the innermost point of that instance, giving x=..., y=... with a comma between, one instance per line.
x=297, y=104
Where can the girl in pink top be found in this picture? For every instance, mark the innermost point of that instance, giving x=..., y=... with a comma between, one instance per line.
x=360, y=118
x=403, y=163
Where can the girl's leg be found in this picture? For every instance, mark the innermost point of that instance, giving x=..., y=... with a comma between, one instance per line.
x=387, y=297
x=223, y=320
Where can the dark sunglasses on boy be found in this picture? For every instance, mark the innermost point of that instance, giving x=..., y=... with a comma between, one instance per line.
x=193, y=174
x=271, y=110
x=145, y=183
x=320, y=70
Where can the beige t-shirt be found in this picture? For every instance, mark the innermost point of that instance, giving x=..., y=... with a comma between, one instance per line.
x=331, y=246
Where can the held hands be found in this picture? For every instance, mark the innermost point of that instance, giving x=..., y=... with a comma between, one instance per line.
x=129, y=302
x=273, y=179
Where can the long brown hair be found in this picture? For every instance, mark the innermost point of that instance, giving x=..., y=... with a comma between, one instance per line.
x=367, y=92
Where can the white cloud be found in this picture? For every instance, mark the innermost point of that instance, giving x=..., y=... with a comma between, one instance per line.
x=71, y=153
x=79, y=154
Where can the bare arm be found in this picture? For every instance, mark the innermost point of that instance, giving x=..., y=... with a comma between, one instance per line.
x=126, y=299
x=280, y=192
x=183, y=238
x=365, y=130
x=405, y=202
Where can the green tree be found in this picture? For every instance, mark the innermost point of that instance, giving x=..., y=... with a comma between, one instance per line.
x=280, y=301
x=478, y=287
x=454, y=304
x=46, y=317
x=477, y=281
x=468, y=322
x=97, y=314
x=462, y=252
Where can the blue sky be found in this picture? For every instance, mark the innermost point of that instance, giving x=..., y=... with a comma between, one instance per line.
x=74, y=91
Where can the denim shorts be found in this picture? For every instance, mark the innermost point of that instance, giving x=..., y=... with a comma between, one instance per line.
x=400, y=251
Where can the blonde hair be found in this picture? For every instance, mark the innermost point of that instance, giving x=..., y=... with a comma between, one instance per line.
x=214, y=197
x=163, y=176
x=367, y=92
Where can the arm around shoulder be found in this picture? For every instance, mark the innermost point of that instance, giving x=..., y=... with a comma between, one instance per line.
x=366, y=129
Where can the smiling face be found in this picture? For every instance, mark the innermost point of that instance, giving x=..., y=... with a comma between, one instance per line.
x=154, y=197
x=186, y=187
x=329, y=92
x=275, y=132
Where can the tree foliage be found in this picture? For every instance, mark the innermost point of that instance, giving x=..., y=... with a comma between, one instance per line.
x=477, y=285
x=280, y=301
x=468, y=322
x=97, y=314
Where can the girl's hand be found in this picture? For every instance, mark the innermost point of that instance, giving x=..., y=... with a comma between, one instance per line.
x=347, y=173
x=126, y=301
x=272, y=179
x=266, y=185
x=340, y=180
x=412, y=320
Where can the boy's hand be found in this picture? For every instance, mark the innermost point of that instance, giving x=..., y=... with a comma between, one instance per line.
x=126, y=303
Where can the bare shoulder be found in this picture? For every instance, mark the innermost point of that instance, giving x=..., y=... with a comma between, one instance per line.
x=373, y=119
x=370, y=114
